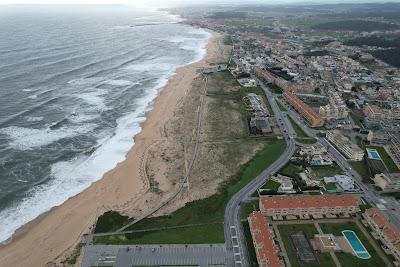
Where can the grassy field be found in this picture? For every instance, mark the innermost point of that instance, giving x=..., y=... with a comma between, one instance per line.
x=306, y=141
x=323, y=171
x=211, y=209
x=324, y=259
x=392, y=194
x=209, y=233
x=299, y=132
x=389, y=163
x=271, y=185
x=248, y=208
x=361, y=168
x=281, y=107
x=346, y=259
x=290, y=170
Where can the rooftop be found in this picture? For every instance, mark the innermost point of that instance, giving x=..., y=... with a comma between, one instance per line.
x=388, y=228
x=267, y=254
x=305, y=201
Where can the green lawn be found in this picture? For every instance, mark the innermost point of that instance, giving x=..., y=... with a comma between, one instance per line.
x=203, y=234
x=290, y=170
x=281, y=107
x=324, y=171
x=365, y=205
x=211, y=209
x=248, y=208
x=299, y=132
x=271, y=185
x=389, y=163
x=307, y=141
x=361, y=168
x=347, y=259
x=357, y=120
x=324, y=259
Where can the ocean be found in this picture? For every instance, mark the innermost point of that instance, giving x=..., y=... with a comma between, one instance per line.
x=75, y=83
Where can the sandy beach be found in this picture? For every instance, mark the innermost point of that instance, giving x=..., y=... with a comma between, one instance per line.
x=126, y=188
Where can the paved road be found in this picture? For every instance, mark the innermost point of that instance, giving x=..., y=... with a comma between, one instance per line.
x=155, y=255
x=234, y=236
x=389, y=206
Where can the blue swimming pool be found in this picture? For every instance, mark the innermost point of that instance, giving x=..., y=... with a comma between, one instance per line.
x=356, y=244
x=373, y=153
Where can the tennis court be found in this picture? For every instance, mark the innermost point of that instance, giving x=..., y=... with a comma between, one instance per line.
x=304, y=251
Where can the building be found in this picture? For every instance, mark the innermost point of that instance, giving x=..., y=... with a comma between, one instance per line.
x=384, y=230
x=342, y=182
x=336, y=109
x=286, y=183
x=317, y=155
x=393, y=147
x=256, y=105
x=246, y=82
x=378, y=138
x=312, y=118
x=301, y=205
x=387, y=181
x=349, y=149
x=376, y=112
x=264, y=245
x=260, y=125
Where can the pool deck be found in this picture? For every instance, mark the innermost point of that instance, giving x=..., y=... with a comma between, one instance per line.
x=356, y=252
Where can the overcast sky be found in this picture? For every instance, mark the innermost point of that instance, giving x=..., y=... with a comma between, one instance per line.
x=166, y=3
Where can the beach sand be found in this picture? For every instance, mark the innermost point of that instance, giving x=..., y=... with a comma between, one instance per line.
x=48, y=239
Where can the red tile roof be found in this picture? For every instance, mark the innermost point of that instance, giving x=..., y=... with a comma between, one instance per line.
x=267, y=254
x=306, y=201
x=389, y=229
x=302, y=105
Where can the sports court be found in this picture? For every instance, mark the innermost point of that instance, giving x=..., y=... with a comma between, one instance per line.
x=304, y=251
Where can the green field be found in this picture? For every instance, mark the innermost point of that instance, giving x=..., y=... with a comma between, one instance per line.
x=271, y=185
x=281, y=107
x=204, y=234
x=347, y=259
x=299, y=132
x=208, y=210
x=361, y=168
x=306, y=141
x=324, y=259
x=324, y=171
x=389, y=163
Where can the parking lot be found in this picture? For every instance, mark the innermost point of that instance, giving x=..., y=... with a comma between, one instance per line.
x=154, y=255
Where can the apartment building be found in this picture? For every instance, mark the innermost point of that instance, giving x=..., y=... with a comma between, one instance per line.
x=387, y=181
x=301, y=205
x=336, y=109
x=263, y=240
x=312, y=118
x=384, y=230
x=376, y=112
x=348, y=148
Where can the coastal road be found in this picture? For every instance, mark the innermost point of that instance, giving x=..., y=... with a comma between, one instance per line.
x=234, y=236
x=388, y=205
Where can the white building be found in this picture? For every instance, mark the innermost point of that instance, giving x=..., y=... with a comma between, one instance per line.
x=349, y=149
x=343, y=182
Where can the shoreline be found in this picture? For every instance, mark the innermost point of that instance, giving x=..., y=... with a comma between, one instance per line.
x=56, y=232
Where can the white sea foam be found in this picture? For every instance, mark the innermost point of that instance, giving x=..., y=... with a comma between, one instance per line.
x=72, y=177
x=32, y=96
x=119, y=82
x=32, y=118
x=95, y=99
x=28, y=138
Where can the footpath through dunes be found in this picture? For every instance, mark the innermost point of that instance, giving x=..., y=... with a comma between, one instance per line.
x=227, y=158
x=129, y=188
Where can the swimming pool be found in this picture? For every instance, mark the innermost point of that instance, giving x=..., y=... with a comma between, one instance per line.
x=356, y=244
x=373, y=153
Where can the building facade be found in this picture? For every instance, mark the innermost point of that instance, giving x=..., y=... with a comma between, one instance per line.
x=387, y=181
x=263, y=240
x=301, y=205
x=336, y=109
x=384, y=230
x=349, y=149
x=312, y=117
